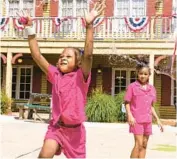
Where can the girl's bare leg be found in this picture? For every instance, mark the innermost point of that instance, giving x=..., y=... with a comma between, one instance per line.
x=142, y=153
x=50, y=147
x=138, y=146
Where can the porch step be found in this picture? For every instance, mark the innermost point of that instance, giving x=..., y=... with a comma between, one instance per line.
x=167, y=112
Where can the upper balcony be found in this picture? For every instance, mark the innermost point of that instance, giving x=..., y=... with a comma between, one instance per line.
x=108, y=28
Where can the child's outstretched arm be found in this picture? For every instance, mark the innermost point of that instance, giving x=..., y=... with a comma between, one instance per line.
x=157, y=118
x=88, y=48
x=34, y=48
x=36, y=55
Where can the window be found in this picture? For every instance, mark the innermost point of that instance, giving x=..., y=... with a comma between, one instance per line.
x=21, y=82
x=173, y=92
x=124, y=8
x=174, y=20
x=16, y=5
x=121, y=78
x=73, y=8
x=174, y=6
x=130, y=8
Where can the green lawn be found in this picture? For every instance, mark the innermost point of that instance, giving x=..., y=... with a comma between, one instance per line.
x=167, y=148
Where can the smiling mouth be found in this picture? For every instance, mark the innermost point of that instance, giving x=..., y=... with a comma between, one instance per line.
x=64, y=63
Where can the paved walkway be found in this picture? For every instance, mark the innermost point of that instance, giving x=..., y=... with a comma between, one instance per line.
x=23, y=139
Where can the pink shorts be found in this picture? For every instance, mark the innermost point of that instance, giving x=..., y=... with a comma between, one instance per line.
x=71, y=140
x=141, y=129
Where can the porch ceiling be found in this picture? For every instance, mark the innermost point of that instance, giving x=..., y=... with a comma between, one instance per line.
x=100, y=47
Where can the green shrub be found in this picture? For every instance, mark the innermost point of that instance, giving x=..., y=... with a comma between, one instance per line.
x=119, y=100
x=5, y=102
x=101, y=107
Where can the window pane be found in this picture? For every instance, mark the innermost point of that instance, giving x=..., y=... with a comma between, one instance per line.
x=27, y=87
x=133, y=74
x=27, y=95
x=123, y=7
x=13, y=87
x=138, y=8
x=28, y=79
x=117, y=90
x=120, y=80
x=14, y=70
x=123, y=82
x=22, y=87
x=22, y=95
x=81, y=5
x=13, y=94
x=123, y=88
x=22, y=79
x=23, y=71
x=28, y=71
x=14, y=78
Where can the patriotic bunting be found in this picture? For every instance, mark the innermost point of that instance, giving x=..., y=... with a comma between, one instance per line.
x=3, y=22
x=57, y=21
x=137, y=24
x=96, y=23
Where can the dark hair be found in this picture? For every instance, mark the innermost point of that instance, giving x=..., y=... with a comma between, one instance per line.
x=78, y=53
x=141, y=64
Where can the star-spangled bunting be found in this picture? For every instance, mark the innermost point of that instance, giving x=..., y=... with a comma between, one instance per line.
x=96, y=22
x=3, y=22
x=136, y=24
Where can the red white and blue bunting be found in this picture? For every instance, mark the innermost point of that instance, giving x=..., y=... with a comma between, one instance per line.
x=137, y=24
x=3, y=22
x=57, y=21
x=96, y=22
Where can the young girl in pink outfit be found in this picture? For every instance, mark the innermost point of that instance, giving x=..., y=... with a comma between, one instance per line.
x=70, y=81
x=139, y=99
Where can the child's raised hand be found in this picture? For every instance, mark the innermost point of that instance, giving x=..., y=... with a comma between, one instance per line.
x=95, y=12
x=25, y=18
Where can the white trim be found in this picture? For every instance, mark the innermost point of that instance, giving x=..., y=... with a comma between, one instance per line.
x=174, y=6
x=17, y=95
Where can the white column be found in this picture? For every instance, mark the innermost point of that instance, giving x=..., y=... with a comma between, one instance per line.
x=151, y=65
x=9, y=74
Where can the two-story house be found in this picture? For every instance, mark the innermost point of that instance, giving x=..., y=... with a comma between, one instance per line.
x=129, y=29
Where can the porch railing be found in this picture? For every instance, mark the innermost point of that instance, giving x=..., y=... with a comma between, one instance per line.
x=111, y=28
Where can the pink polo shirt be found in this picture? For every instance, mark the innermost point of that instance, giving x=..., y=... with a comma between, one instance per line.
x=69, y=92
x=141, y=101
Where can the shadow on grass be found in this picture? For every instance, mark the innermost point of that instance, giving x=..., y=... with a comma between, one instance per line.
x=166, y=148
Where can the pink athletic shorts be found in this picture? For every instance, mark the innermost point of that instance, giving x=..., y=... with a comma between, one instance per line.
x=141, y=129
x=71, y=140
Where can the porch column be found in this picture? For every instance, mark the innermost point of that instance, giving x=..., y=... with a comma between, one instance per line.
x=151, y=65
x=9, y=74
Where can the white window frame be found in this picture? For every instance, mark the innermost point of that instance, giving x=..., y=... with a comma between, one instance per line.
x=174, y=6
x=130, y=8
x=17, y=96
x=20, y=6
x=74, y=6
x=128, y=71
x=172, y=91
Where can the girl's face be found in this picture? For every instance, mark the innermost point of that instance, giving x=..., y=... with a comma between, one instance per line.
x=143, y=75
x=67, y=61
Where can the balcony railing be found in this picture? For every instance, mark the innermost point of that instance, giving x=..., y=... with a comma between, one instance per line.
x=111, y=28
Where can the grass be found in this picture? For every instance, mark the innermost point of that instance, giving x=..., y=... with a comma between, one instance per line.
x=166, y=148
